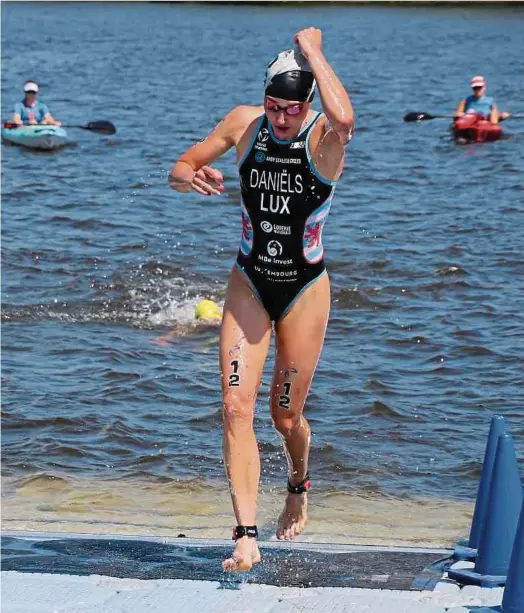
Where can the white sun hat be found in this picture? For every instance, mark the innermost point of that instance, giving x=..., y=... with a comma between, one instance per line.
x=30, y=86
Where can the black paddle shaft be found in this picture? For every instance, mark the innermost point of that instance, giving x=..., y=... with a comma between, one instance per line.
x=101, y=127
x=414, y=116
x=424, y=117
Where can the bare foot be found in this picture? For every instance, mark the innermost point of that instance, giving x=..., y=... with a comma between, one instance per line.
x=245, y=555
x=293, y=518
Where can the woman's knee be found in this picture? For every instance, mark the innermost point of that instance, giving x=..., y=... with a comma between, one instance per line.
x=238, y=411
x=288, y=394
x=285, y=421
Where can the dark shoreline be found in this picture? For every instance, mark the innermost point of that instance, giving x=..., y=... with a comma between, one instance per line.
x=427, y=3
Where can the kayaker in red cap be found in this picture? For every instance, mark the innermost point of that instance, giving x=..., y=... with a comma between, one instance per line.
x=479, y=104
x=31, y=111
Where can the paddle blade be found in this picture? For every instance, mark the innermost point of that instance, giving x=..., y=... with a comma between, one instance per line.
x=417, y=116
x=102, y=127
x=9, y=126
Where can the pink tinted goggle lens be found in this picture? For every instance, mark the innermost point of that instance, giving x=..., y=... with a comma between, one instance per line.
x=294, y=109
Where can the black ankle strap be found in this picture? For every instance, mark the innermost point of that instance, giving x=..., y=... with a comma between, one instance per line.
x=240, y=531
x=301, y=488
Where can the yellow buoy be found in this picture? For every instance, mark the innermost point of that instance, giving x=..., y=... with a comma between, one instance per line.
x=207, y=309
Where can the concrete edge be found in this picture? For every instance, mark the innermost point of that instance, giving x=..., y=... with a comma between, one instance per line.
x=195, y=542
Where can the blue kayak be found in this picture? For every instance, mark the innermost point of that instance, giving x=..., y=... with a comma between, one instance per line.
x=37, y=137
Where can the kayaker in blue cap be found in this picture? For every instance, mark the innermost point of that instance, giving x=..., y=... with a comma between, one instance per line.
x=31, y=111
x=479, y=104
x=290, y=158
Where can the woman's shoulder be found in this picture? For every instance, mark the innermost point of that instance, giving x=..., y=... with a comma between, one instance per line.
x=245, y=115
x=319, y=125
x=242, y=120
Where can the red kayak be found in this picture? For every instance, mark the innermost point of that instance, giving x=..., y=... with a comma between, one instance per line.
x=475, y=128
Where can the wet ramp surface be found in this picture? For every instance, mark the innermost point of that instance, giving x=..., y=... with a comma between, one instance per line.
x=392, y=569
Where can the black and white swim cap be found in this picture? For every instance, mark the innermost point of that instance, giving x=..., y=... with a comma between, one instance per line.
x=289, y=77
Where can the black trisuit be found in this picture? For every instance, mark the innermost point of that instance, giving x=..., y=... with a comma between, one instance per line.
x=285, y=203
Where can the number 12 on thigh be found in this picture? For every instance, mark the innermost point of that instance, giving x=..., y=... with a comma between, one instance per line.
x=284, y=399
x=234, y=377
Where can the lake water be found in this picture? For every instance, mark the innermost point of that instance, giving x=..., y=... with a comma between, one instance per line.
x=105, y=429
